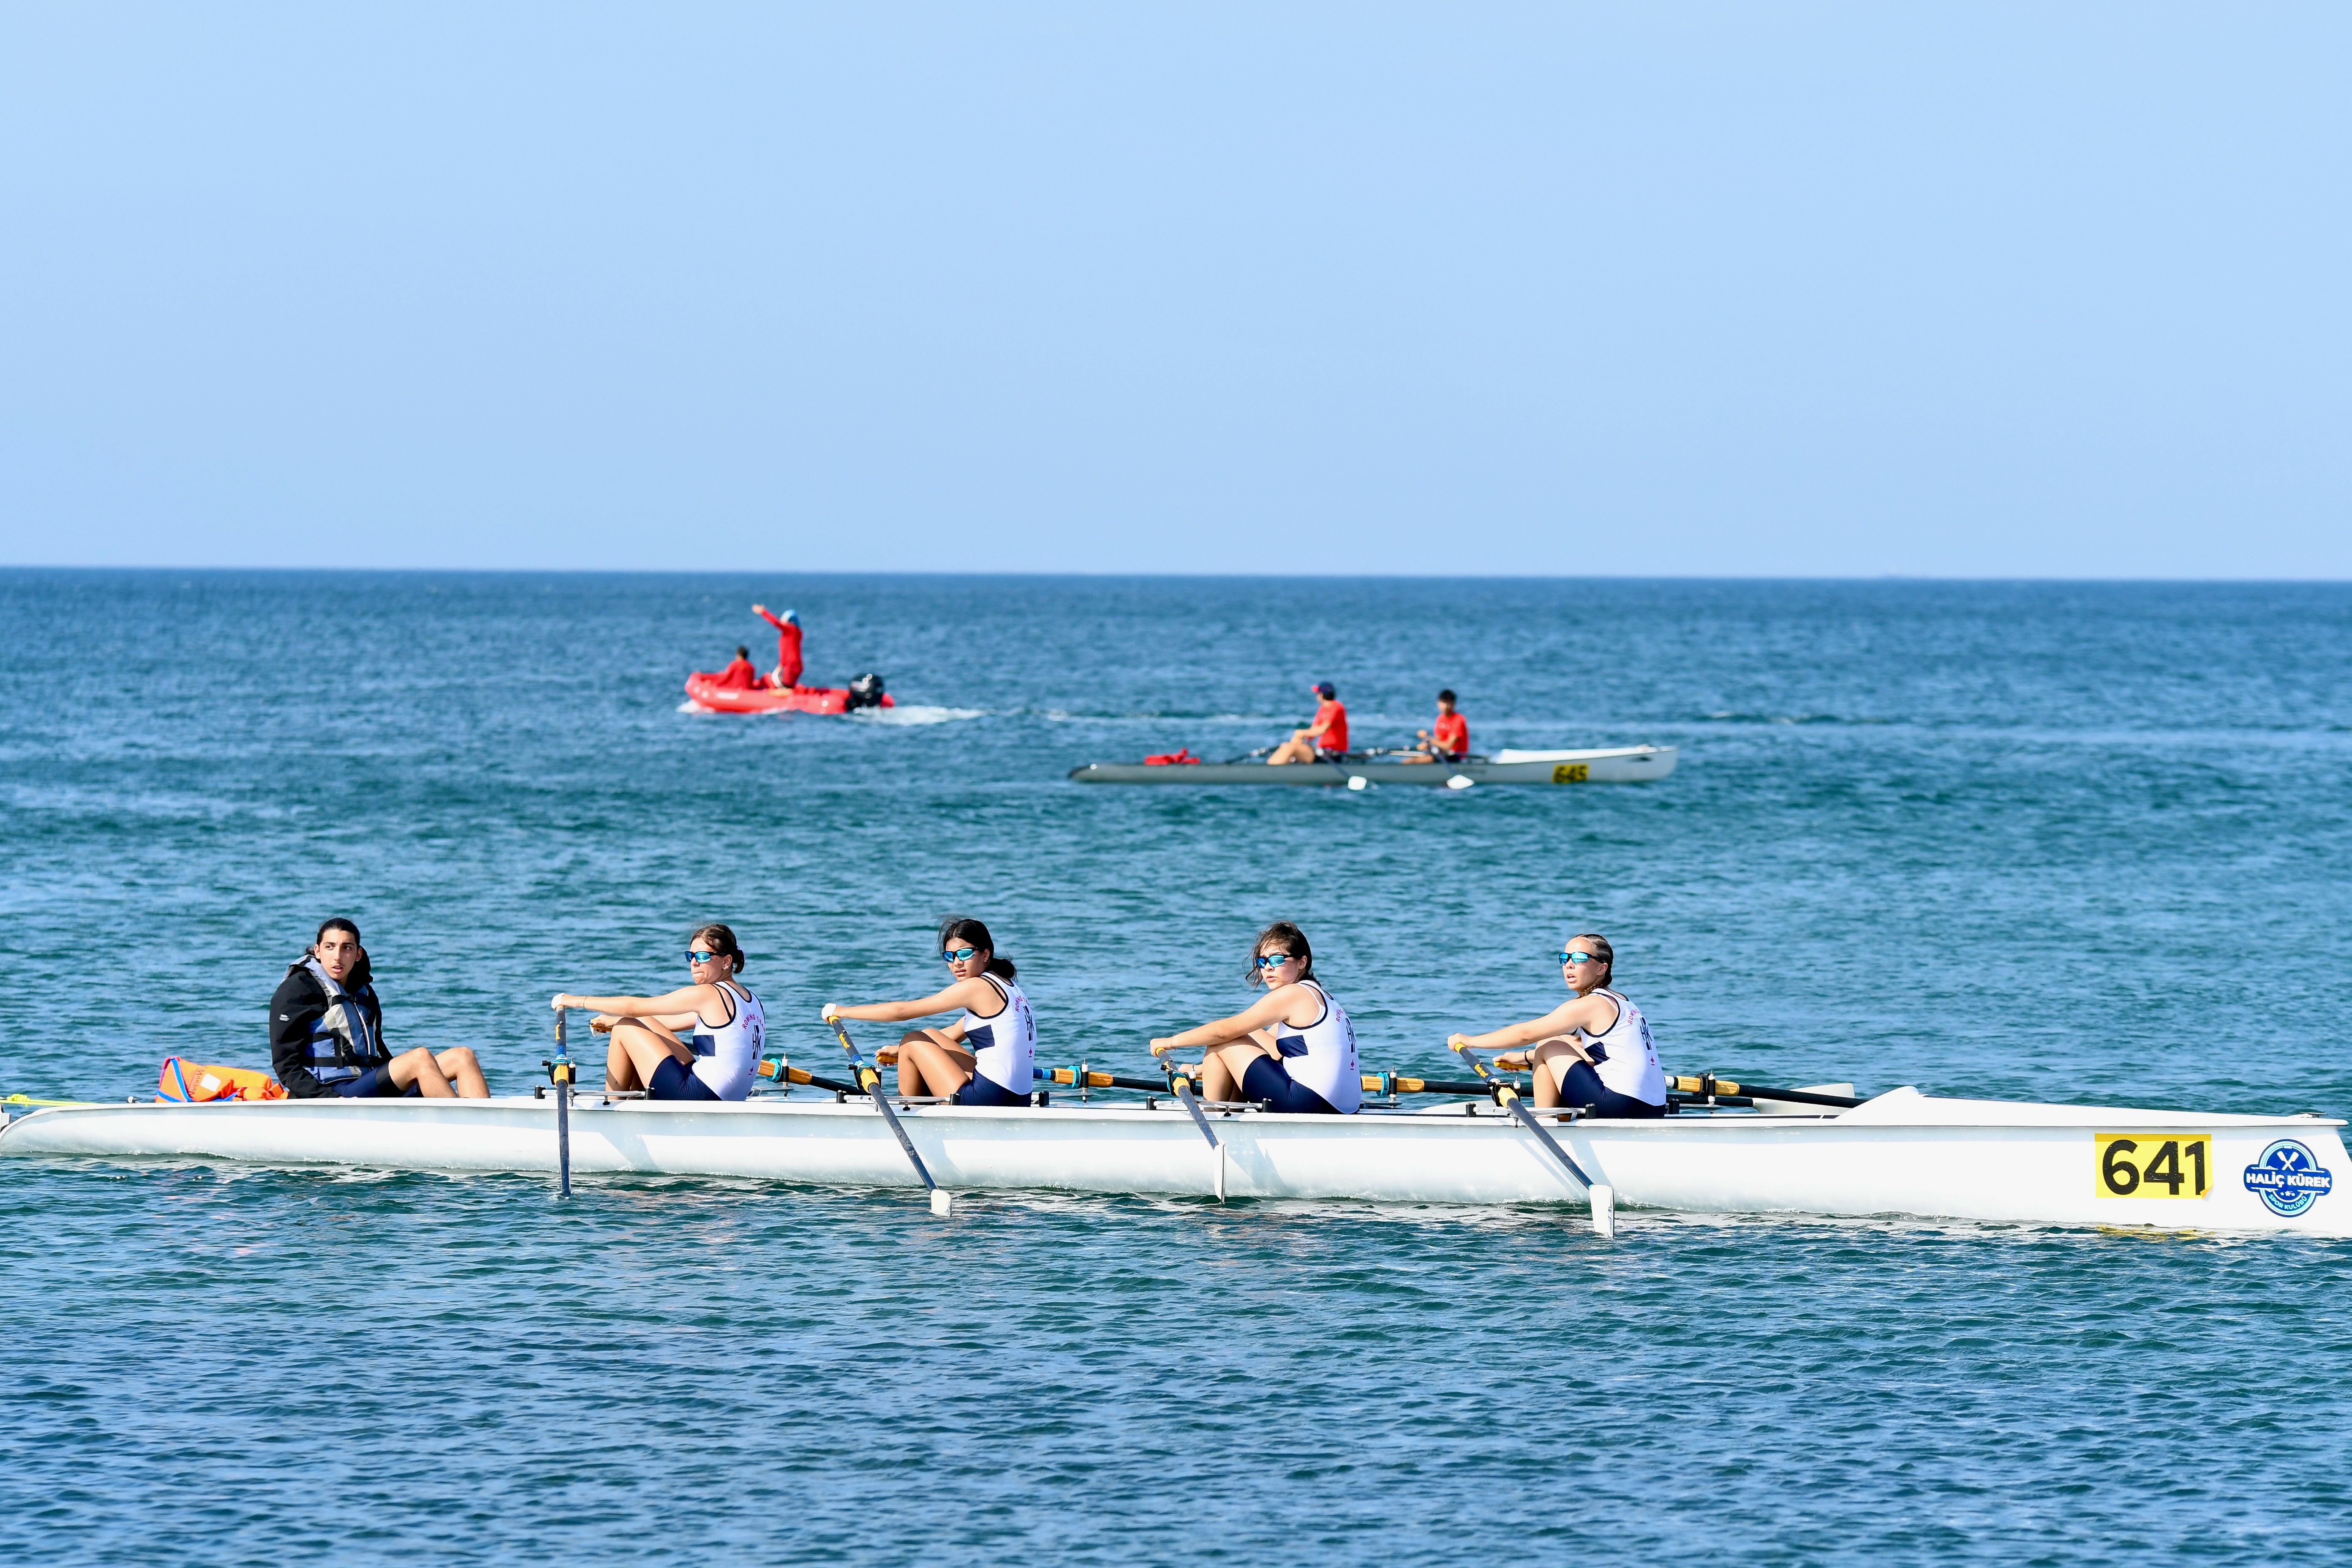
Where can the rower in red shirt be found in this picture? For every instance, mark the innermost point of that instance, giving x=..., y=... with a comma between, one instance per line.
x=1325, y=738
x=1448, y=739
x=787, y=672
x=739, y=675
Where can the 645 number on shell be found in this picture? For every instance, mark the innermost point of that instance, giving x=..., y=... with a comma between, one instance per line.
x=2153, y=1165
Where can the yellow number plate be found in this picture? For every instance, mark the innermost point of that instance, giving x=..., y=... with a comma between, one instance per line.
x=1571, y=773
x=2153, y=1165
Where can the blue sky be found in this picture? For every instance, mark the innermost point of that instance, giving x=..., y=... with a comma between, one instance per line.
x=1969, y=290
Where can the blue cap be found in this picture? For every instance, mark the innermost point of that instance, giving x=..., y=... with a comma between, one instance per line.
x=1323, y=690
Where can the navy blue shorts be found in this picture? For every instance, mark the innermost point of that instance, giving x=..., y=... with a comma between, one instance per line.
x=674, y=1080
x=987, y=1092
x=1270, y=1084
x=1582, y=1086
x=376, y=1083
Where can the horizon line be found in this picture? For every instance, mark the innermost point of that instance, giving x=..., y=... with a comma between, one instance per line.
x=2081, y=581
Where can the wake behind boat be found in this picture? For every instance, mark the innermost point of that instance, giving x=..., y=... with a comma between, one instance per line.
x=1901, y=1153
x=1357, y=770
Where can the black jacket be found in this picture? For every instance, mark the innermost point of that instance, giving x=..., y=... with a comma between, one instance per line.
x=294, y=1016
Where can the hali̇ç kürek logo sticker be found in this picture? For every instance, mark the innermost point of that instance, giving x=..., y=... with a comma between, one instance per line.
x=2288, y=1179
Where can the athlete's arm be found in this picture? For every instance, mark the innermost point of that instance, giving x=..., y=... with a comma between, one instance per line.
x=1281, y=1005
x=963, y=995
x=690, y=999
x=1566, y=1018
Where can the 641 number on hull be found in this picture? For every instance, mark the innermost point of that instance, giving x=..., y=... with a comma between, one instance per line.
x=2141, y=1166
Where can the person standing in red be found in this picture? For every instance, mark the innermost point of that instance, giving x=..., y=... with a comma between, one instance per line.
x=1449, y=739
x=787, y=673
x=1325, y=740
x=739, y=675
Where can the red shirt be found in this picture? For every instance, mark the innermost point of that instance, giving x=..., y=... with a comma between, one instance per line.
x=1451, y=732
x=788, y=650
x=738, y=677
x=1334, y=739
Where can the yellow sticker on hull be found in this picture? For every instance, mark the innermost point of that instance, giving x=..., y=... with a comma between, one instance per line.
x=2153, y=1165
x=1571, y=773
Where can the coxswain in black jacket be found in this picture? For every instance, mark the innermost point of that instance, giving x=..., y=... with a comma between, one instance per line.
x=314, y=1042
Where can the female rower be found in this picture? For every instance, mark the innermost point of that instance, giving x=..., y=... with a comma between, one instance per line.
x=699, y=1042
x=988, y=1056
x=1294, y=1050
x=1594, y=1049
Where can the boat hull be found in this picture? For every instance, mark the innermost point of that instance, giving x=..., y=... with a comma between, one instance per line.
x=1903, y=1154
x=705, y=692
x=1621, y=765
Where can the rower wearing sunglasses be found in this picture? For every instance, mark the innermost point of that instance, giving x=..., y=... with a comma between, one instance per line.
x=1293, y=1051
x=699, y=1042
x=988, y=1056
x=1594, y=1050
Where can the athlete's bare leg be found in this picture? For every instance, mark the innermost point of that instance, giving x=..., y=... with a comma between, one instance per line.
x=931, y=1063
x=1552, y=1059
x=417, y=1067
x=1299, y=748
x=638, y=1048
x=1223, y=1069
x=459, y=1066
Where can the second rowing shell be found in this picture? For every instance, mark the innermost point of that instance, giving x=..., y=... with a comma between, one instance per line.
x=1614, y=764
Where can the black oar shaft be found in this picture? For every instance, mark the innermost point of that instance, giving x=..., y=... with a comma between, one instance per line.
x=1184, y=1088
x=561, y=1070
x=1397, y=1083
x=1509, y=1098
x=790, y=1074
x=870, y=1082
x=1099, y=1080
x=1707, y=1084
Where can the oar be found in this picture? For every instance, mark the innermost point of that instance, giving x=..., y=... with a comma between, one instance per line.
x=784, y=1071
x=1712, y=1086
x=560, y=1072
x=1183, y=1087
x=869, y=1079
x=1099, y=1080
x=1397, y=1083
x=1603, y=1197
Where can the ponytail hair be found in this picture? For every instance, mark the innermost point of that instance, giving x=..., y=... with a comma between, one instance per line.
x=964, y=927
x=719, y=939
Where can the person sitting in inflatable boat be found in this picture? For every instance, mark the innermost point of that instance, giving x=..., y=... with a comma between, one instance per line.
x=326, y=1031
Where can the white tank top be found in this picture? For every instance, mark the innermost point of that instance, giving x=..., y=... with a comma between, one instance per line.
x=725, y=1057
x=1004, y=1048
x=1624, y=1055
x=1322, y=1055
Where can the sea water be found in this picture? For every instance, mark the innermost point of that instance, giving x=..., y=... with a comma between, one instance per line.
x=2061, y=842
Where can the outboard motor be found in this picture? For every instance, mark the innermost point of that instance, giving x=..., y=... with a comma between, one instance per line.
x=866, y=690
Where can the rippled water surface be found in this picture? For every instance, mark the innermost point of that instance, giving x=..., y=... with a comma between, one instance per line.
x=2059, y=842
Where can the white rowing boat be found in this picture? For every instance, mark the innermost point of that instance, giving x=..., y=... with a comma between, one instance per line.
x=1607, y=765
x=1901, y=1153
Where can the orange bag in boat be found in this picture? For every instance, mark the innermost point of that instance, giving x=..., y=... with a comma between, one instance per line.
x=188, y=1082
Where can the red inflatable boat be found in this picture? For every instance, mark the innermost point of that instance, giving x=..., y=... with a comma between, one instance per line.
x=863, y=691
